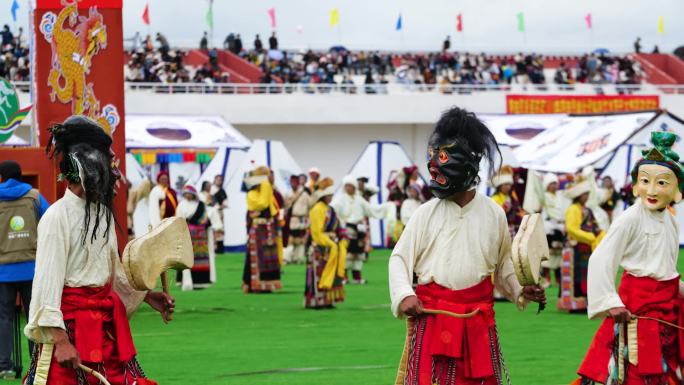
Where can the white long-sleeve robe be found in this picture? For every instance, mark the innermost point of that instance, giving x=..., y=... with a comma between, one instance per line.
x=456, y=247
x=644, y=243
x=63, y=260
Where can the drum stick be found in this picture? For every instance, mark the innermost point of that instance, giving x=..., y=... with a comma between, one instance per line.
x=451, y=314
x=94, y=373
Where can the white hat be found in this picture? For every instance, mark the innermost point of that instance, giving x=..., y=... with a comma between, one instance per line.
x=256, y=177
x=548, y=179
x=578, y=188
x=372, y=189
x=325, y=187
x=504, y=176
x=315, y=169
x=349, y=179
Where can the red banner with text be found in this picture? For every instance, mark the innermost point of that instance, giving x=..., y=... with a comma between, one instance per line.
x=584, y=104
x=77, y=52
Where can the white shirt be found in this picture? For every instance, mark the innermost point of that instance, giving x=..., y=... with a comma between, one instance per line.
x=408, y=208
x=456, y=247
x=157, y=195
x=553, y=207
x=354, y=209
x=300, y=201
x=63, y=260
x=186, y=209
x=644, y=243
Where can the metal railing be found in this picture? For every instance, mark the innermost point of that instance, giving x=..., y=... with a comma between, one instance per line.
x=392, y=88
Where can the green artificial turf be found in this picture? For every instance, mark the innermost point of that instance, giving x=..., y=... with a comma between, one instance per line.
x=222, y=336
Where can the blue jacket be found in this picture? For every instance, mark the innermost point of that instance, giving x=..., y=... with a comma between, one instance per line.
x=23, y=271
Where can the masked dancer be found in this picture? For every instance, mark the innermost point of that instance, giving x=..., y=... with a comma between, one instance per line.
x=81, y=296
x=454, y=244
x=638, y=341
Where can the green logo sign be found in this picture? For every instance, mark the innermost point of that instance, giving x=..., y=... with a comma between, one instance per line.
x=16, y=223
x=10, y=113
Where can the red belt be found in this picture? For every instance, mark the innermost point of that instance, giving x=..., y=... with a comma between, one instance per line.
x=463, y=338
x=89, y=308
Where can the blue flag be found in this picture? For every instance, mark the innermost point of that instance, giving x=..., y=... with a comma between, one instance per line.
x=398, y=27
x=15, y=6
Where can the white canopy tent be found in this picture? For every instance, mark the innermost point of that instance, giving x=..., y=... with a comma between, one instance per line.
x=376, y=162
x=269, y=153
x=611, y=144
x=181, y=132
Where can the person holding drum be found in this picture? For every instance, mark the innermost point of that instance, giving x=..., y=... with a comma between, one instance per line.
x=640, y=339
x=454, y=244
x=81, y=296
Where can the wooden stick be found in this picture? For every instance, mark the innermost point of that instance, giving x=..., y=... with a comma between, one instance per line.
x=94, y=373
x=450, y=314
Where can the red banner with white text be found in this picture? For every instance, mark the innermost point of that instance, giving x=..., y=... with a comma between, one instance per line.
x=580, y=104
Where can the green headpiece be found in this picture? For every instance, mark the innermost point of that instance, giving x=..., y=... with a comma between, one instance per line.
x=661, y=154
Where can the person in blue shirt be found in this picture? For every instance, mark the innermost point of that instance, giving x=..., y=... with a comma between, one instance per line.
x=14, y=277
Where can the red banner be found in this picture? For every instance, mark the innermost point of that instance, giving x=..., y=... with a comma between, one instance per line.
x=77, y=57
x=571, y=104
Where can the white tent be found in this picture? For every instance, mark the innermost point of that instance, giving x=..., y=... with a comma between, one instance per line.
x=269, y=153
x=181, y=131
x=376, y=162
x=611, y=144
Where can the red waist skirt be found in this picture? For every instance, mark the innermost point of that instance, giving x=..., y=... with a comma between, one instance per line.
x=657, y=342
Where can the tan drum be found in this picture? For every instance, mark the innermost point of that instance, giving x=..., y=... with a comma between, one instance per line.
x=167, y=246
x=529, y=249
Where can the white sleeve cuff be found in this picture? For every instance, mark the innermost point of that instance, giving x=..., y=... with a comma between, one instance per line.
x=397, y=301
x=599, y=307
x=46, y=317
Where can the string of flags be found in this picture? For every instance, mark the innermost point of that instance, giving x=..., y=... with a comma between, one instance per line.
x=334, y=19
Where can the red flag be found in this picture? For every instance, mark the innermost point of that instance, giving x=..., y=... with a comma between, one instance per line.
x=271, y=14
x=459, y=23
x=146, y=14
x=588, y=20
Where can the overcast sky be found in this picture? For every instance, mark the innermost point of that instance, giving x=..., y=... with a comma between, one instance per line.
x=552, y=26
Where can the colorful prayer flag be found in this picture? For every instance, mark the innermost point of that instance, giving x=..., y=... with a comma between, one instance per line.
x=588, y=20
x=209, y=17
x=459, y=23
x=146, y=14
x=334, y=17
x=15, y=7
x=271, y=15
x=661, y=25
x=398, y=26
x=521, y=22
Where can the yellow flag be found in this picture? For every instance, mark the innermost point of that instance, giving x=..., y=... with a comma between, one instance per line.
x=661, y=25
x=334, y=17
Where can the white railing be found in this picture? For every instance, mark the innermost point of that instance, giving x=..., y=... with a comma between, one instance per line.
x=393, y=88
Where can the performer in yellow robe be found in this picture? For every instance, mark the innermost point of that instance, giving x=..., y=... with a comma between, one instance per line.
x=584, y=235
x=262, y=263
x=326, y=263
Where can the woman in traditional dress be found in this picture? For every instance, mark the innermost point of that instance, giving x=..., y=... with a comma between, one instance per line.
x=326, y=263
x=262, y=265
x=507, y=198
x=202, y=221
x=162, y=201
x=584, y=235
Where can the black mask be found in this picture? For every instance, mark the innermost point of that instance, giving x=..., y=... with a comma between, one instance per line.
x=453, y=168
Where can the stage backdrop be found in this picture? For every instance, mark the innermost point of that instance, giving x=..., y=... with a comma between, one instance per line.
x=77, y=56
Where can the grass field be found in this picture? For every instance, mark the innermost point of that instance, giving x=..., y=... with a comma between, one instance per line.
x=222, y=336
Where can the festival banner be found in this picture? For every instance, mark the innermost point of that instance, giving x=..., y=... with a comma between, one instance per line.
x=77, y=53
x=579, y=104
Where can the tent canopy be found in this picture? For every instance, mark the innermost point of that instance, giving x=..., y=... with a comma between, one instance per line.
x=181, y=131
x=591, y=140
